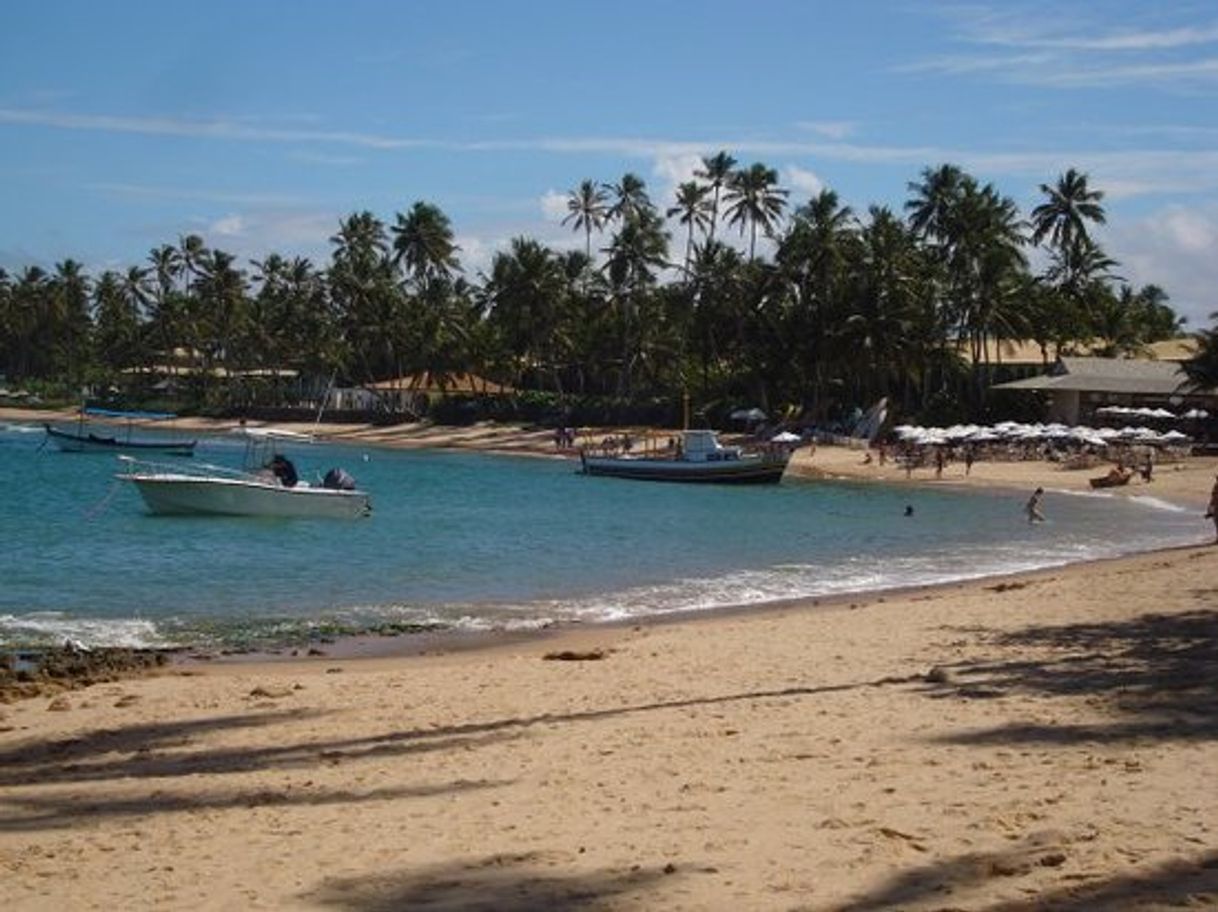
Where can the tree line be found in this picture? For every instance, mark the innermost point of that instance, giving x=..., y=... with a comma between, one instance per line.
x=731, y=293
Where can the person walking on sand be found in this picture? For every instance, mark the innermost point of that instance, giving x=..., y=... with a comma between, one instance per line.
x=1212, y=512
x=1035, y=514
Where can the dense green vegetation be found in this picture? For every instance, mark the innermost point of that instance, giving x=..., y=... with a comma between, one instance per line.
x=839, y=308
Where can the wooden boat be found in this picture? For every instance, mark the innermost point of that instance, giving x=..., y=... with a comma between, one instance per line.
x=698, y=456
x=1113, y=479
x=82, y=440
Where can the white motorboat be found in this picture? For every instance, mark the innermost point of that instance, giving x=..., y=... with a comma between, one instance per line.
x=696, y=456
x=272, y=490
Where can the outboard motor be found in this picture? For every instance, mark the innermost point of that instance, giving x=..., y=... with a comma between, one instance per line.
x=338, y=480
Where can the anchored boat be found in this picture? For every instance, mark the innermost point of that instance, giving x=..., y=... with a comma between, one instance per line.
x=694, y=456
x=82, y=440
x=265, y=487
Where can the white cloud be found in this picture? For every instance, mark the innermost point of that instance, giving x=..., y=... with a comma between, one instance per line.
x=475, y=254
x=319, y=158
x=192, y=193
x=1090, y=49
x=1174, y=249
x=674, y=160
x=1189, y=230
x=675, y=169
x=802, y=181
x=254, y=233
x=553, y=205
x=830, y=129
x=229, y=226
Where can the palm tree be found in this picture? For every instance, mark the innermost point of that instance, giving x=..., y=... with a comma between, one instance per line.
x=527, y=291
x=69, y=301
x=223, y=315
x=630, y=199
x=165, y=316
x=638, y=251
x=587, y=211
x=1063, y=217
x=879, y=323
x=363, y=294
x=694, y=210
x=26, y=322
x=118, y=305
x=717, y=172
x=423, y=241
x=812, y=259
x=1202, y=369
x=755, y=201
x=134, y=286
x=191, y=253
x=986, y=267
x=934, y=200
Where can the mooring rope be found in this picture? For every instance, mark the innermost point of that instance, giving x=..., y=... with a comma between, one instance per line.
x=98, y=508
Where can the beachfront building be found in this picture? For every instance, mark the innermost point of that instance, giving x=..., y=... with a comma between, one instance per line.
x=409, y=394
x=1077, y=387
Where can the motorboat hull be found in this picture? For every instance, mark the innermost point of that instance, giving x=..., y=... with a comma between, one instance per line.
x=189, y=495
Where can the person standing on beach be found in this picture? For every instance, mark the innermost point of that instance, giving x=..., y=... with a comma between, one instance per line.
x=1212, y=512
x=1035, y=514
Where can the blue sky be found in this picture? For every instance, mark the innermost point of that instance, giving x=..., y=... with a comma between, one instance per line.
x=259, y=125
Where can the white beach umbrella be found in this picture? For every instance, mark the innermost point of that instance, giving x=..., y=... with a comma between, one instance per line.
x=749, y=414
x=785, y=437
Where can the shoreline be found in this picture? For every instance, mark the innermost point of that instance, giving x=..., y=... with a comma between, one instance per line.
x=1044, y=739
x=1178, y=484
x=1044, y=742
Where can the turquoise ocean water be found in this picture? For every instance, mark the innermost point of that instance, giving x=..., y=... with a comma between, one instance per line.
x=482, y=541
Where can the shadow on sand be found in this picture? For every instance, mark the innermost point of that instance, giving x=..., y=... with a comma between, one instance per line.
x=162, y=750
x=63, y=811
x=1188, y=883
x=499, y=883
x=1157, y=676
x=155, y=750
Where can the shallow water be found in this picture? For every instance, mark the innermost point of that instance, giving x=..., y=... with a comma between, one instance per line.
x=488, y=541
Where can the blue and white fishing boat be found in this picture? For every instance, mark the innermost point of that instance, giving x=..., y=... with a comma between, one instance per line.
x=697, y=456
x=82, y=440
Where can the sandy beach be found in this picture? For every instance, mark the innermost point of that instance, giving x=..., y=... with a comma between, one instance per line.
x=1047, y=741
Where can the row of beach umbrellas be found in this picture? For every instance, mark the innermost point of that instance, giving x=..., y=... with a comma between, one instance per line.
x=1014, y=431
x=1144, y=412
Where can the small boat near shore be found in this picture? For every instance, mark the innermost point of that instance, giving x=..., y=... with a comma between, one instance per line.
x=82, y=440
x=694, y=456
x=266, y=488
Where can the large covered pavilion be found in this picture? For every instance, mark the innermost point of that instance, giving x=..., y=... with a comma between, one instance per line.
x=1078, y=388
